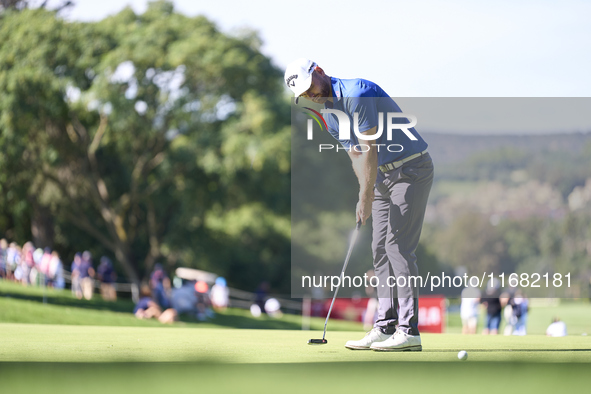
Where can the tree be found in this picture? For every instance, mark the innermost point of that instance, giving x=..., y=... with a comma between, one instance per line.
x=13, y=4
x=150, y=133
x=22, y=4
x=473, y=243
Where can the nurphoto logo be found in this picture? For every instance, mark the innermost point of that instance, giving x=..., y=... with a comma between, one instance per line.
x=344, y=129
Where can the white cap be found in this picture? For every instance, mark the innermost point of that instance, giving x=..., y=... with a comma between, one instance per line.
x=298, y=76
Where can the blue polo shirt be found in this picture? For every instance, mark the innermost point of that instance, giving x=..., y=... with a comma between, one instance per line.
x=368, y=100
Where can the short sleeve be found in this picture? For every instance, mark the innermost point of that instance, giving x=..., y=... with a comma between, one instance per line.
x=366, y=108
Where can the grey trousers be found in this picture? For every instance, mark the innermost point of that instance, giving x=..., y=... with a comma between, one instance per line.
x=398, y=212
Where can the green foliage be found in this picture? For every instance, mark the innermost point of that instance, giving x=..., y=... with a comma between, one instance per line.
x=473, y=244
x=561, y=167
x=529, y=245
x=522, y=237
x=156, y=137
x=563, y=171
x=496, y=164
x=145, y=132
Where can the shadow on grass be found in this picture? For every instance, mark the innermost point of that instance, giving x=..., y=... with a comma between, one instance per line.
x=241, y=319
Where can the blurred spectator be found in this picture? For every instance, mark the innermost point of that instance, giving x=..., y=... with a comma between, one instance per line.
x=273, y=308
x=469, y=309
x=34, y=277
x=56, y=271
x=160, y=285
x=19, y=262
x=203, y=301
x=261, y=295
x=516, y=309
x=27, y=263
x=184, y=298
x=492, y=302
x=3, y=254
x=43, y=264
x=147, y=308
x=220, y=294
x=87, y=275
x=507, y=301
x=107, y=276
x=255, y=310
x=38, y=255
x=520, y=305
x=13, y=258
x=556, y=329
x=76, y=278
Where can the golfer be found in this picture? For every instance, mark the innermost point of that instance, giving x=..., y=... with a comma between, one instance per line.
x=395, y=176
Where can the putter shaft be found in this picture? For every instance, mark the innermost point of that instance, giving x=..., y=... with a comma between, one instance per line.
x=351, y=244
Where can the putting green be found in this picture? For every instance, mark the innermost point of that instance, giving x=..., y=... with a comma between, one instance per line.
x=58, y=343
x=73, y=346
x=92, y=359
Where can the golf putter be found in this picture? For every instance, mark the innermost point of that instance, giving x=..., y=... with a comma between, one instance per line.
x=323, y=341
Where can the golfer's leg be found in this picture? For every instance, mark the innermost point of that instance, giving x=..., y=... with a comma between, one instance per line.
x=387, y=317
x=408, y=198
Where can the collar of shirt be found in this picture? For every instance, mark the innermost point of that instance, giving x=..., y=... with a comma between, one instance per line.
x=337, y=92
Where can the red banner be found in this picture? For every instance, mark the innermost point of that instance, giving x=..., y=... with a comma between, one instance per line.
x=432, y=314
x=431, y=311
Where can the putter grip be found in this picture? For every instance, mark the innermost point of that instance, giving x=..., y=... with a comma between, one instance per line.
x=358, y=225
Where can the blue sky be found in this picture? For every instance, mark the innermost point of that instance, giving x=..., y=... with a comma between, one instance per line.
x=419, y=48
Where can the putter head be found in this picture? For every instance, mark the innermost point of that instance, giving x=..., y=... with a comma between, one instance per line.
x=317, y=342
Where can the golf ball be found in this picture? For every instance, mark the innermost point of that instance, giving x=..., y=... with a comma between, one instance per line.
x=462, y=355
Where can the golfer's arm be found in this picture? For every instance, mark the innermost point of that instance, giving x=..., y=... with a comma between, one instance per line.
x=365, y=165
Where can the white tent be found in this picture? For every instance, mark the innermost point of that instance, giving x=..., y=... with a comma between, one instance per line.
x=195, y=274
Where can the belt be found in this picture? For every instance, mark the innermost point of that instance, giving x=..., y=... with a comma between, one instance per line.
x=396, y=164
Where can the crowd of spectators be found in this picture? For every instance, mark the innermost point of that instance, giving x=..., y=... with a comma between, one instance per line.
x=510, y=303
x=29, y=265
x=160, y=300
x=44, y=267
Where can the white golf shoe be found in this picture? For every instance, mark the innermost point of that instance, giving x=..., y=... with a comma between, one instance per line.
x=399, y=342
x=375, y=335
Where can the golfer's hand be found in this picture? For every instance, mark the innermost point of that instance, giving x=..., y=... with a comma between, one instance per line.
x=364, y=206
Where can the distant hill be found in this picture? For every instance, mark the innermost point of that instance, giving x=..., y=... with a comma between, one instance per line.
x=455, y=148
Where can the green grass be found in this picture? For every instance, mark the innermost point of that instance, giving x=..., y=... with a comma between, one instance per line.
x=62, y=343
x=354, y=377
x=70, y=346
x=62, y=358
x=19, y=304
